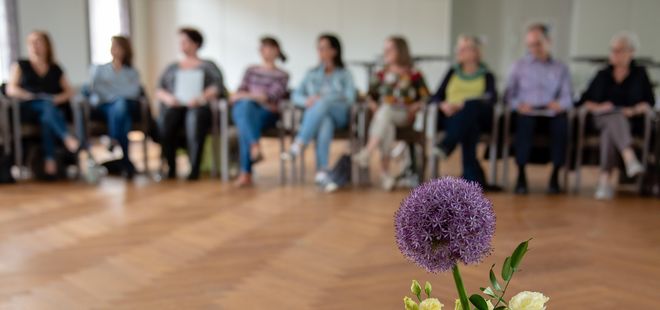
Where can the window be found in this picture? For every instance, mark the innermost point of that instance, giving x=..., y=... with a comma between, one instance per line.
x=107, y=18
x=5, y=42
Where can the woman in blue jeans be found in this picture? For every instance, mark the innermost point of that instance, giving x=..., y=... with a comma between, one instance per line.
x=115, y=89
x=42, y=87
x=256, y=105
x=327, y=93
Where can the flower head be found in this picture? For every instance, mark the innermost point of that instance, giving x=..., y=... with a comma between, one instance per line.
x=528, y=301
x=444, y=221
x=430, y=304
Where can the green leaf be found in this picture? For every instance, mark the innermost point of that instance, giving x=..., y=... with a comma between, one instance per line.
x=500, y=308
x=507, y=271
x=518, y=254
x=427, y=289
x=493, y=280
x=479, y=302
x=489, y=291
x=416, y=289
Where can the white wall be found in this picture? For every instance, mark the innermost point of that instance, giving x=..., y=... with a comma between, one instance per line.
x=66, y=22
x=502, y=24
x=232, y=29
x=596, y=21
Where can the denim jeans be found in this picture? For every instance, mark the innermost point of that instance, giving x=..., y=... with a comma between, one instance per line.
x=319, y=123
x=118, y=115
x=250, y=119
x=51, y=121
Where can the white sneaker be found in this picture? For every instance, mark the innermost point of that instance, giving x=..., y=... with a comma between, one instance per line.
x=388, y=182
x=321, y=177
x=330, y=187
x=634, y=168
x=362, y=158
x=293, y=152
x=604, y=191
x=439, y=153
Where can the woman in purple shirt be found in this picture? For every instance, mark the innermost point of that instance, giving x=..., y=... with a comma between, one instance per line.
x=256, y=105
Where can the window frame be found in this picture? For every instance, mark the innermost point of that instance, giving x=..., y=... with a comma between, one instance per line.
x=10, y=24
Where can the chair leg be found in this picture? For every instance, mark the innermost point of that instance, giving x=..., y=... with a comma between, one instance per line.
x=301, y=177
x=18, y=143
x=505, y=152
x=145, y=154
x=645, y=149
x=282, y=160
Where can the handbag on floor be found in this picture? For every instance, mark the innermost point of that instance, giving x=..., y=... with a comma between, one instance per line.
x=340, y=175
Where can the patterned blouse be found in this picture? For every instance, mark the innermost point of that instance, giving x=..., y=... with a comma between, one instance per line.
x=272, y=83
x=391, y=88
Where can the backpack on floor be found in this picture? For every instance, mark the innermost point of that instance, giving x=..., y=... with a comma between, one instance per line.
x=341, y=171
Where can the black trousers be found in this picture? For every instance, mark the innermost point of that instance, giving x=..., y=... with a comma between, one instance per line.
x=556, y=128
x=195, y=122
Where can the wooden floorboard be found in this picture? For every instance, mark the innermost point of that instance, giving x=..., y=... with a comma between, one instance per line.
x=207, y=245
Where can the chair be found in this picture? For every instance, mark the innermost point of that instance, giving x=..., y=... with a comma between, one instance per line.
x=279, y=131
x=214, y=106
x=354, y=133
x=20, y=130
x=5, y=139
x=489, y=137
x=88, y=127
x=539, y=141
x=588, y=137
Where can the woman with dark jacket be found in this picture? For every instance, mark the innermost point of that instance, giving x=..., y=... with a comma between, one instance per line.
x=184, y=106
x=618, y=95
x=465, y=100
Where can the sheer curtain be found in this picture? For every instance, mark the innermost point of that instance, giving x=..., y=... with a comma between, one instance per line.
x=8, y=37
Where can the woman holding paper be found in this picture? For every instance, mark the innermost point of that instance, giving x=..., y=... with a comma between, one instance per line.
x=256, y=105
x=43, y=89
x=326, y=93
x=618, y=97
x=465, y=100
x=185, y=90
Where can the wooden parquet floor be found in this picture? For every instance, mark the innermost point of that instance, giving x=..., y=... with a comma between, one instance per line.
x=207, y=245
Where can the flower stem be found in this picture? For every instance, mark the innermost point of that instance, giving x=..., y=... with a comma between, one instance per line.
x=465, y=304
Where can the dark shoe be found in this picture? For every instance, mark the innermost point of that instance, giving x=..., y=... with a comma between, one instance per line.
x=193, y=176
x=521, y=184
x=553, y=188
x=521, y=189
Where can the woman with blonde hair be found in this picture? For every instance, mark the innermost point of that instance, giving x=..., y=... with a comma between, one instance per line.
x=465, y=100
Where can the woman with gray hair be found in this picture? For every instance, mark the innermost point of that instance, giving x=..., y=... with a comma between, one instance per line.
x=618, y=97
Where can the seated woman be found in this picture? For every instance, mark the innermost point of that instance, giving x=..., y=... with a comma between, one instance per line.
x=327, y=92
x=42, y=86
x=256, y=105
x=619, y=93
x=465, y=100
x=186, y=88
x=115, y=89
x=395, y=95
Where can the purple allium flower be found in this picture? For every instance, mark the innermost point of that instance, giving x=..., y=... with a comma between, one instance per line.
x=444, y=221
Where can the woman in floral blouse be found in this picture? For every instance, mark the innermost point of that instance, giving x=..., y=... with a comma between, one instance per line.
x=395, y=95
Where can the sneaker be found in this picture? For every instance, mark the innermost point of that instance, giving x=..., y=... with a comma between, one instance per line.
x=604, y=192
x=439, y=153
x=293, y=152
x=388, y=182
x=330, y=187
x=362, y=158
x=634, y=168
x=321, y=178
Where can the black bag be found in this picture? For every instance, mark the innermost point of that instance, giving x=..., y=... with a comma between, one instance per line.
x=5, y=169
x=341, y=171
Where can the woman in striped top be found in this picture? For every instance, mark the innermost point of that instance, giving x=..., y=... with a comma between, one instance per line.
x=256, y=105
